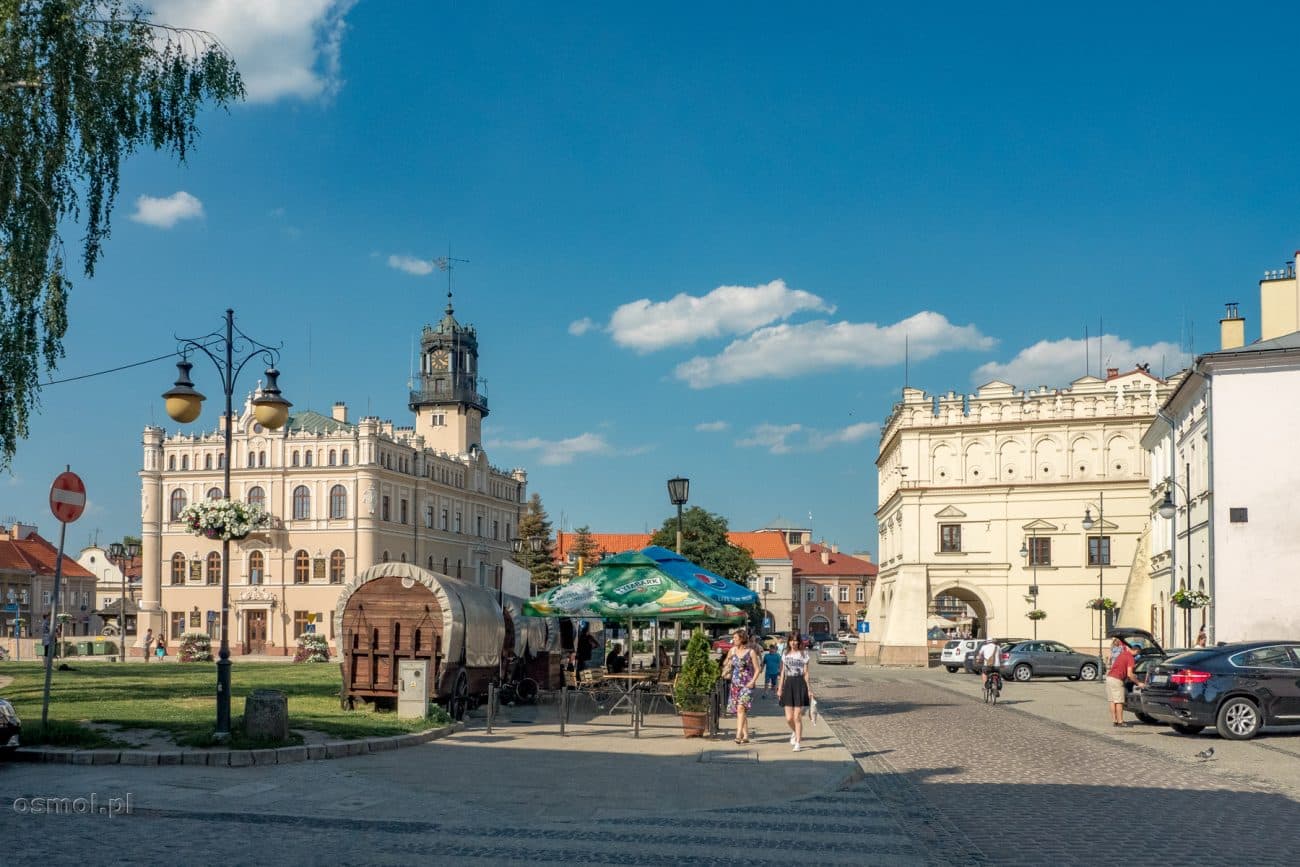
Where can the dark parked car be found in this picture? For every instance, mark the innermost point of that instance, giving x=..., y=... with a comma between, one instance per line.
x=1237, y=688
x=1003, y=644
x=1142, y=665
x=10, y=727
x=818, y=637
x=1139, y=639
x=1042, y=658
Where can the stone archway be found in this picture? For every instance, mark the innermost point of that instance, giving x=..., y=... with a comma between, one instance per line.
x=945, y=599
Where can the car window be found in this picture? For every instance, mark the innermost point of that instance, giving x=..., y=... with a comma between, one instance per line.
x=831, y=645
x=1056, y=647
x=1029, y=647
x=1277, y=656
x=951, y=644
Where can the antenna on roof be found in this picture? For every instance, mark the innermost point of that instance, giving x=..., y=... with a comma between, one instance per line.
x=1101, y=340
x=906, y=359
x=448, y=264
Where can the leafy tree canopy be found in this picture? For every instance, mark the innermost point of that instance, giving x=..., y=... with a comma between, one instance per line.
x=83, y=84
x=536, y=523
x=584, y=546
x=704, y=541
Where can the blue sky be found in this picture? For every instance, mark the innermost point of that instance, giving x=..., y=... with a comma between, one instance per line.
x=697, y=237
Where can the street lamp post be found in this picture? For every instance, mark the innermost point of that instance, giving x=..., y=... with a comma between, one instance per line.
x=1101, y=562
x=271, y=411
x=1169, y=511
x=122, y=556
x=679, y=490
x=1032, y=553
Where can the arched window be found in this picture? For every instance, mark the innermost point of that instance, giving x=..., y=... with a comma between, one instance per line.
x=333, y=457
x=214, y=568
x=338, y=502
x=345, y=457
x=207, y=462
x=185, y=462
x=252, y=459
x=306, y=459
x=256, y=567
x=257, y=497
x=301, y=568
x=261, y=459
x=293, y=462
x=171, y=463
x=338, y=563
x=178, y=568
x=403, y=556
x=301, y=503
x=214, y=493
x=444, y=565
x=385, y=558
x=178, y=504
x=221, y=461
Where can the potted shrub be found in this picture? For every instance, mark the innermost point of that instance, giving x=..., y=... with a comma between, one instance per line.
x=1103, y=603
x=223, y=519
x=312, y=647
x=694, y=685
x=1037, y=614
x=1188, y=599
x=196, y=647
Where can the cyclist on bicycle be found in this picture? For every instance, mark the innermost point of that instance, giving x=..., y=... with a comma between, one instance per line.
x=986, y=659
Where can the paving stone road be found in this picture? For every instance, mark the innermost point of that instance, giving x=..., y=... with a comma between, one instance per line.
x=947, y=780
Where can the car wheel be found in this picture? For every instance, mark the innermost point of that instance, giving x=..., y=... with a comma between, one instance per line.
x=1022, y=673
x=952, y=669
x=1239, y=719
x=1088, y=671
x=1187, y=728
x=1146, y=718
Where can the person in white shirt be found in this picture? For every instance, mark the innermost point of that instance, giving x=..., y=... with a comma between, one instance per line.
x=986, y=658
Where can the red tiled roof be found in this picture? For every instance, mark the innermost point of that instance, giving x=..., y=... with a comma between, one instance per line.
x=763, y=545
x=810, y=563
x=39, y=556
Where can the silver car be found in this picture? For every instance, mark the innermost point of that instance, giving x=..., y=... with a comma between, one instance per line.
x=1028, y=659
x=832, y=651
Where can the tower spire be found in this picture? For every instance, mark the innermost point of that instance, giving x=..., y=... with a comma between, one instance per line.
x=448, y=264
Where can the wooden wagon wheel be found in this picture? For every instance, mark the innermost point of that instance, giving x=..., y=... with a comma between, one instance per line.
x=458, y=703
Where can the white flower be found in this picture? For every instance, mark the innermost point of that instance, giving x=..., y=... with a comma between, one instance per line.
x=223, y=519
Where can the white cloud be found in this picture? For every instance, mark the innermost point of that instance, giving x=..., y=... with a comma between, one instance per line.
x=712, y=426
x=579, y=327
x=411, y=265
x=784, y=351
x=167, y=211
x=781, y=439
x=1056, y=363
x=282, y=48
x=562, y=451
x=645, y=325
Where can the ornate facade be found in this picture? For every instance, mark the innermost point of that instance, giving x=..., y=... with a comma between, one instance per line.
x=966, y=482
x=343, y=496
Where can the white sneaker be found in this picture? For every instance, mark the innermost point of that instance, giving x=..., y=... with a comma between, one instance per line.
x=797, y=746
x=792, y=740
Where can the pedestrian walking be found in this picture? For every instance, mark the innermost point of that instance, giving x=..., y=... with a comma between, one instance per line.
x=741, y=668
x=794, y=687
x=771, y=670
x=148, y=644
x=1121, y=672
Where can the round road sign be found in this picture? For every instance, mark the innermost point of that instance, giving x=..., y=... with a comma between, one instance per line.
x=68, y=497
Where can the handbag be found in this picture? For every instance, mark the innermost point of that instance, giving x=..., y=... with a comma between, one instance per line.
x=812, y=711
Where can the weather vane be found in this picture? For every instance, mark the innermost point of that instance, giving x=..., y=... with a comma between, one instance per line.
x=448, y=263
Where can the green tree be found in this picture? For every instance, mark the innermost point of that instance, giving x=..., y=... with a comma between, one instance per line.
x=704, y=541
x=585, y=547
x=83, y=84
x=536, y=523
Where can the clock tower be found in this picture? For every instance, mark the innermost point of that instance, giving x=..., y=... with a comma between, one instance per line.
x=448, y=398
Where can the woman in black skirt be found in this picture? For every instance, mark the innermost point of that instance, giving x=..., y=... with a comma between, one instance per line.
x=793, y=687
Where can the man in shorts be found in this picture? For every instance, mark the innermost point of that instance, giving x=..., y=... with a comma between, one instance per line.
x=986, y=658
x=1121, y=670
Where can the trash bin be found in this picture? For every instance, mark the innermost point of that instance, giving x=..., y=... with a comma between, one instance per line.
x=83, y=648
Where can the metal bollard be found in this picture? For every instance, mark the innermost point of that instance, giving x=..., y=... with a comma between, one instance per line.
x=492, y=705
x=636, y=713
x=564, y=708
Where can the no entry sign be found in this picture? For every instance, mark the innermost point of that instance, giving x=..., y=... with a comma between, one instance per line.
x=68, y=497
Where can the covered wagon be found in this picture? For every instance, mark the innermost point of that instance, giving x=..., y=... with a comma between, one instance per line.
x=398, y=611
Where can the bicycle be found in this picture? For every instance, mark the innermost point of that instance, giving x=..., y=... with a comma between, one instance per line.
x=992, y=686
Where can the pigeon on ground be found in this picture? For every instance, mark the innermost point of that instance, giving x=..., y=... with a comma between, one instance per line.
x=1206, y=755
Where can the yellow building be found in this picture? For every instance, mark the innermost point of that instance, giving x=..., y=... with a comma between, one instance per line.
x=343, y=496
x=968, y=482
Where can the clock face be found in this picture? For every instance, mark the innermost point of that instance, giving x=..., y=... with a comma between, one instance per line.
x=438, y=361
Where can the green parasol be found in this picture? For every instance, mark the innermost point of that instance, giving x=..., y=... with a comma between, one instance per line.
x=630, y=586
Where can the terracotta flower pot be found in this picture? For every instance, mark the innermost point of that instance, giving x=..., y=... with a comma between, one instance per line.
x=694, y=723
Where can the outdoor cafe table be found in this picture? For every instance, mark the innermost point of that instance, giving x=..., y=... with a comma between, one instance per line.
x=625, y=684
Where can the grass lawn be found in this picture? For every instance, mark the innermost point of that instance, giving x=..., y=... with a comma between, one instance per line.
x=181, y=699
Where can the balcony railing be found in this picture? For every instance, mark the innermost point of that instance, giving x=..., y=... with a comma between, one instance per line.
x=447, y=389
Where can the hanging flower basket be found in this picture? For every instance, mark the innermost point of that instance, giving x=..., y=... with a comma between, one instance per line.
x=1037, y=614
x=223, y=519
x=1104, y=603
x=1190, y=599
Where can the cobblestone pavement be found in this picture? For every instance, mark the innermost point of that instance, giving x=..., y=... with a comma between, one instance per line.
x=1003, y=786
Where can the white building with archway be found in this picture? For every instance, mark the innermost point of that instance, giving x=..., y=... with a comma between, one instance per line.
x=969, y=482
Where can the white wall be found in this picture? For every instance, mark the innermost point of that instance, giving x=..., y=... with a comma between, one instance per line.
x=1256, y=466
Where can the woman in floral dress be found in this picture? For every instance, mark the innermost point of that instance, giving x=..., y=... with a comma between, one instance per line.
x=742, y=666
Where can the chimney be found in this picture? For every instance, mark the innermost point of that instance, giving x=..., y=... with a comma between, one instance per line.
x=1279, y=308
x=826, y=557
x=1232, y=328
x=865, y=555
x=340, y=411
x=807, y=548
x=835, y=549
x=1112, y=372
